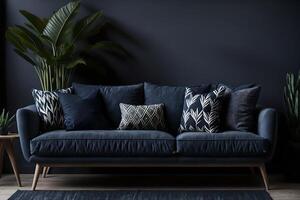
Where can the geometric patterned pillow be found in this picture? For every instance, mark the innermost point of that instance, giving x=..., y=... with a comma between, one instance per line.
x=201, y=112
x=49, y=108
x=142, y=117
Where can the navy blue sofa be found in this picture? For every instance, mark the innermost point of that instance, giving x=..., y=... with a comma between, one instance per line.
x=145, y=148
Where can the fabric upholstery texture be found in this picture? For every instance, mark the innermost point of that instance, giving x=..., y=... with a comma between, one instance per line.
x=103, y=143
x=267, y=127
x=84, y=113
x=49, y=108
x=142, y=117
x=28, y=124
x=146, y=147
x=201, y=112
x=112, y=97
x=158, y=161
x=227, y=144
x=240, y=114
x=172, y=97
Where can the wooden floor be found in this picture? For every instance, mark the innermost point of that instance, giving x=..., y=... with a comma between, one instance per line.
x=280, y=189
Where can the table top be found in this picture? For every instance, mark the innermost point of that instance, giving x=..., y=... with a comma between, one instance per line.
x=9, y=136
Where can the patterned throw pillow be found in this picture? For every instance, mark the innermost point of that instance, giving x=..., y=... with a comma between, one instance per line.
x=142, y=117
x=49, y=108
x=201, y=112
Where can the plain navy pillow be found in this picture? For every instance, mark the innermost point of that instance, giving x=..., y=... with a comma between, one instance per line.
x=173, y=98
x=112, y=97
x=238, y=107
x=83, y=113
x=240, y=115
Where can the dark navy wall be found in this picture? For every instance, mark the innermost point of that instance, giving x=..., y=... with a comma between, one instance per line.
x=182, y=42
x=2, y=55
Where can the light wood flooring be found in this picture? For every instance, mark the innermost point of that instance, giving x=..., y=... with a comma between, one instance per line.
x=280, y=189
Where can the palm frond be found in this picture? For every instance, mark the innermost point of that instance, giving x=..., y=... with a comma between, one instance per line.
x=36, y=23
x=82, y=25
x=58, y=23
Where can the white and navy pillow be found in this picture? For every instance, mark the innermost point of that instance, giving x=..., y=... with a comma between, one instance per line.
x=49, y=108
x=201, y=112
x=142, y=117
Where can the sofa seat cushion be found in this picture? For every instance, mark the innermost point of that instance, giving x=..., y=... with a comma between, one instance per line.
x=225, y=144
x=93, y=143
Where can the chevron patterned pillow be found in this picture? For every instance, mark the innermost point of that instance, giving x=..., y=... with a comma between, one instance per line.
x=49, y=108
x=201, y=112
x=142, y=117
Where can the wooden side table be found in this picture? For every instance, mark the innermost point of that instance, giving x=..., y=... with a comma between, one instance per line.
x=6, y=143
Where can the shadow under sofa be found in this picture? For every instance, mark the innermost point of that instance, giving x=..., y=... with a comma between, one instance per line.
x=145, y=148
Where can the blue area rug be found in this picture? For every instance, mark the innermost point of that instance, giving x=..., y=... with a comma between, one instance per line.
x=143, y=194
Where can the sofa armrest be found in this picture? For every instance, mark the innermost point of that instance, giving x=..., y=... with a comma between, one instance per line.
x=268, y=127
x=28, y=125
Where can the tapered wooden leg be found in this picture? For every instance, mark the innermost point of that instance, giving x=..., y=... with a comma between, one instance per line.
x=45, y=171
x=1, y=158
x=36, y=176
x=263, y=172
x=10, y=151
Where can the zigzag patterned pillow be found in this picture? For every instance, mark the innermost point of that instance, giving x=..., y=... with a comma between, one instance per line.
x=201, y=112
x=142, y=117
x=49, y=108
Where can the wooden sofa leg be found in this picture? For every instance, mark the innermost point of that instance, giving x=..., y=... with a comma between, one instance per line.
x=36, y=176
x=264, y=174
x=45, y=171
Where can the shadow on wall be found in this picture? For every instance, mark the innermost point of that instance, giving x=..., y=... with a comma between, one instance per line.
x=102, y=67
x=143, y=62
x=2, y=55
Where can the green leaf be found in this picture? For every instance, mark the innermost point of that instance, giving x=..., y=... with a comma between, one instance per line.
x=47, y=39
x=26, y=41
x=25, y=57
x=58, y=23
x=14, y=39
x=32, y=42
x=65, y=53
x=83, y=24
x=296, y=106
x=36, y=41
x=76, y=62
x=37, y=23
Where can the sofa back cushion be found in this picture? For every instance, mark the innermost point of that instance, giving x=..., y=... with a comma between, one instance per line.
x=172, y=97
x=112, y=97
x=238, y=107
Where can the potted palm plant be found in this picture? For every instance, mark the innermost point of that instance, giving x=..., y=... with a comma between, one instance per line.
x=292, y=104
x=52, y=46
x=292, y=98
x=5, y=122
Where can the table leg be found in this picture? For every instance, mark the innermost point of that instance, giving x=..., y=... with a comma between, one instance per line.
x=10, y=151
x=1, y=158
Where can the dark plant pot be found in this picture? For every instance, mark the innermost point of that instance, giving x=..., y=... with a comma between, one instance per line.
x=3, y=131
x=292, y=161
